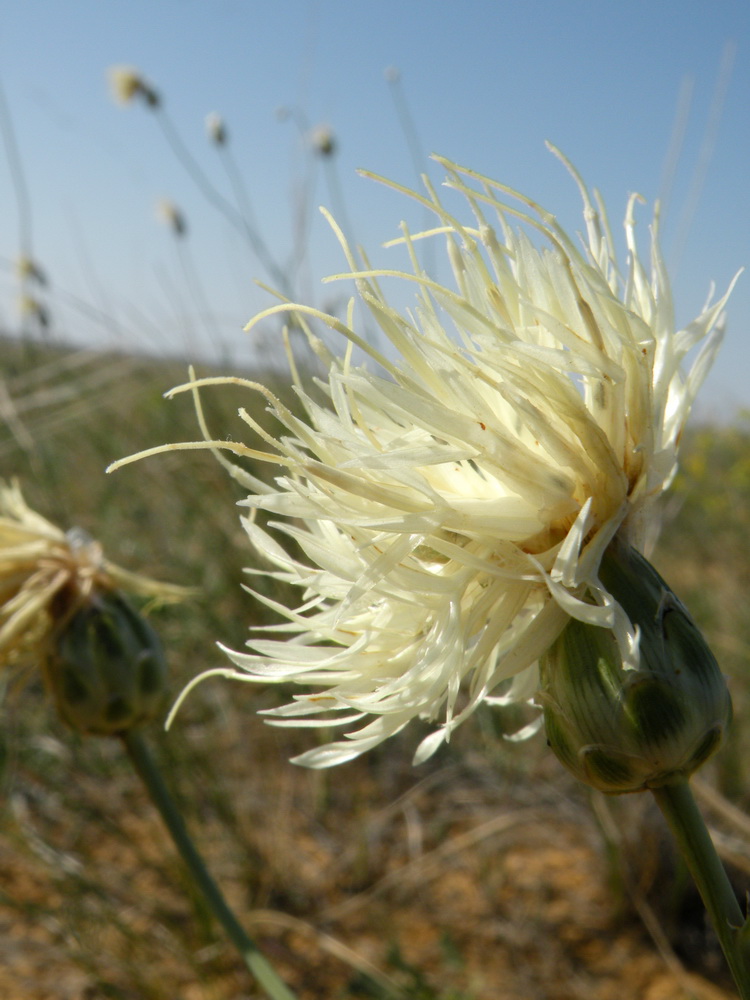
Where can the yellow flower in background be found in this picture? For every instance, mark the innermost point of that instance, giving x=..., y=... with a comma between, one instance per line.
x=453, y=506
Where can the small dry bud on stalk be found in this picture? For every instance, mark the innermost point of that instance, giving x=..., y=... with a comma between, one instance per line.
x=127, y=84
x=216, y=129
x=323, y=140
x=169, y=214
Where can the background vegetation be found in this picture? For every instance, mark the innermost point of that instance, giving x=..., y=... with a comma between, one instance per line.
x=486, y=874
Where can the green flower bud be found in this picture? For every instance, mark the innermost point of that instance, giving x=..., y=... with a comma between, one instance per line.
x=106, y=668
x=624, y=729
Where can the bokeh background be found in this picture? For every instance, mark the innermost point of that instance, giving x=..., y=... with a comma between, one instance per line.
x=647, y=97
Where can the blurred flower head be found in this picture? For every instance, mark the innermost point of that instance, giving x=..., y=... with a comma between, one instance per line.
x=127, y=84
x=450, y=503
x=216, y=128
x=170, y=215
x=30, y=307
x=47, y=575
x=27, y=269
x=323, y=140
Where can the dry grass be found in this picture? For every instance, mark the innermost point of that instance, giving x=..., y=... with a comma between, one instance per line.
x=484, y=875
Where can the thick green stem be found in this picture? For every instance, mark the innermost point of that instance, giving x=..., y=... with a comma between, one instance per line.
x=686, y=823
x=149, y=773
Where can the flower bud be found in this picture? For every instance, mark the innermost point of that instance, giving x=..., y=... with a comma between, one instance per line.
x=27, y=269
x=106, y=668
x=625, y=728
x=168, y=213
x=323, y=140
x=127, y=84
x=216, y=129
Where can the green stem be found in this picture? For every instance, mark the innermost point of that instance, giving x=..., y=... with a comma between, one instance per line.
x=689, y=829
x=149, y=773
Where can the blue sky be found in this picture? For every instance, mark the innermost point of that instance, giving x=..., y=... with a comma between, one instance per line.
x=615, y=84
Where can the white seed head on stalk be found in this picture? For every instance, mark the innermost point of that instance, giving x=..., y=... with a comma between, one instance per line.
x=323, y=140
x=128, y=84
x=216, y=129
x=171, y=216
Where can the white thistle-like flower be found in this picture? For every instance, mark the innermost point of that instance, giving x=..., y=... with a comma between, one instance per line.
x=453, y=506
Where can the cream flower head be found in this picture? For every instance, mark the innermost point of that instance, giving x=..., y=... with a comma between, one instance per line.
x=323, y=140
x=27, y=269
x=171, y=216
x=127, y=83
x=452, y=506
x=47, y=574
x=216, y=128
